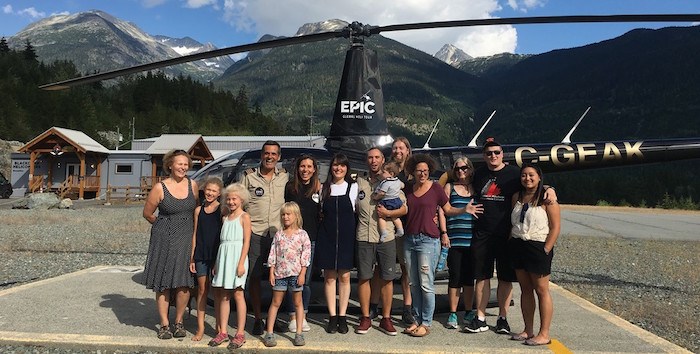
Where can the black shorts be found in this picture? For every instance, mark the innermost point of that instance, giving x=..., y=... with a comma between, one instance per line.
x=530, y=257
x=382, y=254
x=488, y=247
x=257, y=256
x=460, y=267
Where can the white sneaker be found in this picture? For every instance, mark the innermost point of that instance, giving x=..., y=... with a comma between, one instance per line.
x=293, y=325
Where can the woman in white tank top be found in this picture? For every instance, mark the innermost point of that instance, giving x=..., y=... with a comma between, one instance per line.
x=536, y=224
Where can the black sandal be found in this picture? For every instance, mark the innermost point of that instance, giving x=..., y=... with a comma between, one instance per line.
x=164, y=332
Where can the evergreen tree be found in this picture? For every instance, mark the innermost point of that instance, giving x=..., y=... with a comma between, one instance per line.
x=29, y=52
x=4, y=48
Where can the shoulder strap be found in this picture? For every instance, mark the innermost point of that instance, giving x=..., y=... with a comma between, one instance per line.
x=249, y=171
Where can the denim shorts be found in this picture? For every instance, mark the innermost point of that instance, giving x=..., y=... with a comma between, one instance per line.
x=203, y=268
x=287, y=284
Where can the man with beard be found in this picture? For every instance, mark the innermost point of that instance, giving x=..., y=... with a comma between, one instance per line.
x=266, y=185
x=376, y=259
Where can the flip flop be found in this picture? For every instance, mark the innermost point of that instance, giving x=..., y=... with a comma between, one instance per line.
x=532, y=343
x=520, y=337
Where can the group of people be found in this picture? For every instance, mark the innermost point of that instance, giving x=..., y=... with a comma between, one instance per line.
x=274, y=228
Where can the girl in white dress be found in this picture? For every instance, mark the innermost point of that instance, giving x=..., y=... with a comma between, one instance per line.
x=231, y=267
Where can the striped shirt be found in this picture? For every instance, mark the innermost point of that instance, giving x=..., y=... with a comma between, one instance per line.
x=459, y=228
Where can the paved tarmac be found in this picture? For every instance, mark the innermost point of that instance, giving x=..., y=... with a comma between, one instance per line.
x=105, y=308
x=658, y=224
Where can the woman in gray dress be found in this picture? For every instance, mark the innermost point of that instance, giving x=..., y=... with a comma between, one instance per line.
x=170, y=246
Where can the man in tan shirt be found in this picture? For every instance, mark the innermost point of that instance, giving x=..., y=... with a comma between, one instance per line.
x=376, y=260
x=266, y=187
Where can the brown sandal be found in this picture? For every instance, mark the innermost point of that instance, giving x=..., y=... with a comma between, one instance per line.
x=410, y=329
x=418, y=333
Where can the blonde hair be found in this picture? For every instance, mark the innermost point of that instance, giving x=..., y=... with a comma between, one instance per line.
x=239, y=190
x=293, y=208
x=169, y=157
x=452, y=176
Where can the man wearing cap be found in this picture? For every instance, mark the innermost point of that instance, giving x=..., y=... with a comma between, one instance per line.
x=375, y=259
x=494, y=185
x=266, y=185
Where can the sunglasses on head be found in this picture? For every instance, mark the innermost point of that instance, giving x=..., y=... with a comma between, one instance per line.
x=463, y=168
x=495, y=152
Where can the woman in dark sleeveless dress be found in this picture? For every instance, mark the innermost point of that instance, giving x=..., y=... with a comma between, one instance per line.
x=170, y=246
x=335, y=242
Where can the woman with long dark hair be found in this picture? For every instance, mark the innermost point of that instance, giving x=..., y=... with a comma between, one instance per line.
x=536, y=225
x=336, y=240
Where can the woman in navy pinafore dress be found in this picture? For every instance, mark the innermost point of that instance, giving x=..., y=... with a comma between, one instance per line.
x=335, y=243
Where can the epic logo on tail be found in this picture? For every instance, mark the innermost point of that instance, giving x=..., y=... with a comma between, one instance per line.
x=358, y=119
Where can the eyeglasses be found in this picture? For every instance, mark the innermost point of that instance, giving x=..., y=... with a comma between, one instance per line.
x=462, y=168
x=495, y=152
x=523, y=211
x=424, y=172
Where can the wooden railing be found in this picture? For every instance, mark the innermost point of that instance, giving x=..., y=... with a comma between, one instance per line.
x=65, y=187
x=147, y=182
x=36, y=183
x=124, y=194
x=91, y=182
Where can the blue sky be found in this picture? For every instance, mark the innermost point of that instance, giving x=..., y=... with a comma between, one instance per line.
x=232, y=22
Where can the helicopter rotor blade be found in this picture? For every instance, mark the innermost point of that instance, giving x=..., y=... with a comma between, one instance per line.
x=539, y=20
x=315, y=37
x=359, y=30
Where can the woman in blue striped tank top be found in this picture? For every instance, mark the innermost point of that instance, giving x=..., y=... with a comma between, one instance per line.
x=459, y=230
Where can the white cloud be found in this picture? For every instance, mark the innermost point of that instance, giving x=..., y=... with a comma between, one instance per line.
x=195, y=4
x=7, y=9
x=524, y=5
x=31, y=12
x=285, y=17
x=152, y=3
x=62, y=13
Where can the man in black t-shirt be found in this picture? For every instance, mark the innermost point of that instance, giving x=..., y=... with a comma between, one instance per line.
x=494, y=185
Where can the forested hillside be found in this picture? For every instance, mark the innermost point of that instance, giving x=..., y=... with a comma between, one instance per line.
x=158, y=104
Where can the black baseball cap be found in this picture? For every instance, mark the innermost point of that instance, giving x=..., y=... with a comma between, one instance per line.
x=490, y=141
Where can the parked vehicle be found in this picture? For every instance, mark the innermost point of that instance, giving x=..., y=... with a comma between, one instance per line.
x=5, y=187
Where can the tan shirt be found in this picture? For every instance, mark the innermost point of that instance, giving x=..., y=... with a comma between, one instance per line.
x=266, y=199
x=366, y=207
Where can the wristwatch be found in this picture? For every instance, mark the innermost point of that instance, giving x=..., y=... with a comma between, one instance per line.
x=443, y=232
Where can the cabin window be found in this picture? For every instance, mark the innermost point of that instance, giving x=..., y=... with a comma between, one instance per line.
x=125, y=169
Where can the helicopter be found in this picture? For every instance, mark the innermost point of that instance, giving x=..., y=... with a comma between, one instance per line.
x=359, y=123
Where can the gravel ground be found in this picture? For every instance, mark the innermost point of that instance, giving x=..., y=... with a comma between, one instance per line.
x=653, y=284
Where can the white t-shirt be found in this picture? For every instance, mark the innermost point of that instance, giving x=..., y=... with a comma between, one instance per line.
x=339, y=189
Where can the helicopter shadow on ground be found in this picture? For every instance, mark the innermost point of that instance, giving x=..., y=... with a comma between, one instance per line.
x=142, y=312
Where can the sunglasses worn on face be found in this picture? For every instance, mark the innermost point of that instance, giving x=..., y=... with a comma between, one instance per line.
x=463, y=168
x=489, y=153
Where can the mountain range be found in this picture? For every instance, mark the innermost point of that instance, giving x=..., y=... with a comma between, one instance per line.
x=96, y=41
x=641, y=84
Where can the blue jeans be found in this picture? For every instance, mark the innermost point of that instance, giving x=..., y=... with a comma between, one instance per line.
x=306, y=292
x=422, y=252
